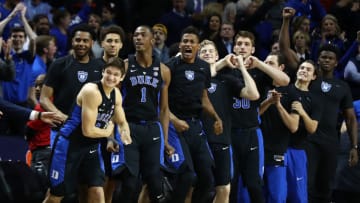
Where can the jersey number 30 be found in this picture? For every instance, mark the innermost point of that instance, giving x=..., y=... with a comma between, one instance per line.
x=241, y=103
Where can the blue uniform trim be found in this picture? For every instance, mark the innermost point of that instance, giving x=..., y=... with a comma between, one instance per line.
x=261, y=152
x=178, y=158
x=297, y=175
x=162, y=146
x=72, y=123
x=58, y=161
x=275, y=184
x=118, y=158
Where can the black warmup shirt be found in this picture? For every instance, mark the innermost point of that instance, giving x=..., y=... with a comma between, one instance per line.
x=335, y=97
x=66, y=76
x=188, y=81
x=245, y=112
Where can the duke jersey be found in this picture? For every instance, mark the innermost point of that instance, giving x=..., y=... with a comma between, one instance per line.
x=72, y=127
x=188, y=81
x=141, y=90
x=245, y=112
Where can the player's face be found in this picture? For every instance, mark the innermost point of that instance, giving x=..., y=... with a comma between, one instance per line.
x=112, y=76
x=82, y=43
x=209, y=54
x=143, y=39
x=272, y=60
x=306, y=72
x=112, y=44
x=189, y=46
x=243, y=46
x=327, y=61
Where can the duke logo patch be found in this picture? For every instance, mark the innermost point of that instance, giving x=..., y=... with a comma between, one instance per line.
x=325, y=87
x=189, y=74
x=82, y=76
x=212, y=89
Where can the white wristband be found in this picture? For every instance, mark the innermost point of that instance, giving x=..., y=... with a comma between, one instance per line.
x=32, y=115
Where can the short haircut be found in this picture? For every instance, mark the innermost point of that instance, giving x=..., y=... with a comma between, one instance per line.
x=113, y=29
x=207, y=42
x=246, y=34
x=117, y=63
x=38, y=17
x=280, y=57
x=331, y=48
x=18, y=29
x=191, y=30
x=84, y=27
x=146, y=27
x=42, y=42
x=316, y=70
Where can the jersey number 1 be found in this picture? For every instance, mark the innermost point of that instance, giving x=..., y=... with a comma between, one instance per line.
x=143, y=95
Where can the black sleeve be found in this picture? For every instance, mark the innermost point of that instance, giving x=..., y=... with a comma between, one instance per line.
x=7, y=70
x=14, y=111
x=235, y=82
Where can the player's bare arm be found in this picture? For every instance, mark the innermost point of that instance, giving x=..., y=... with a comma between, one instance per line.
x=278, y=76
x=164, y=106
x=89, y=98
x=120, y=119
x=250, y=90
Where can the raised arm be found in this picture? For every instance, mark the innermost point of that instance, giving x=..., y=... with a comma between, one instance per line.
x=29, y=31
x=90, y=98
x=292, y=60
x=250, y=90
x=227, y=61
x=278, y=76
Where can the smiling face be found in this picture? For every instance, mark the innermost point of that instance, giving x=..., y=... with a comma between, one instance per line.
x=306, y=72
x=208, y=53
x=111, y=76
x=82, y=43
x=189, y=46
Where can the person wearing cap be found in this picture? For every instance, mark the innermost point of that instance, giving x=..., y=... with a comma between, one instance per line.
x=160, y=48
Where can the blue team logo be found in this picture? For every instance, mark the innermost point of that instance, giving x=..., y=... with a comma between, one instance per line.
x=82, y=76
x=189, y=74
x=212, y=89
x=325, y=87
